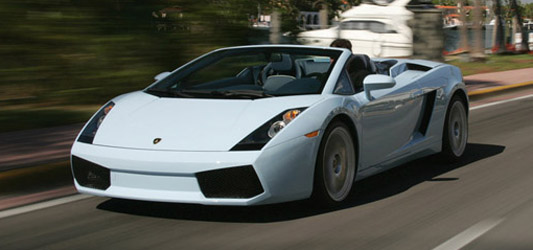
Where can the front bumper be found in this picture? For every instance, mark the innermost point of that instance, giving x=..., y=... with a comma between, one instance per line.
x=285, y=173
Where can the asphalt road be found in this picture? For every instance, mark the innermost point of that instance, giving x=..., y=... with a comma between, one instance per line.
x=484, y=202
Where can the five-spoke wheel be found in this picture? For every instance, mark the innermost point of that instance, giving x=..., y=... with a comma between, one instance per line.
x=455, y=134
x=336, y=165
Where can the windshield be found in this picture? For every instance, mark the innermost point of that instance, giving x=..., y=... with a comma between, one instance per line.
x=249, y=73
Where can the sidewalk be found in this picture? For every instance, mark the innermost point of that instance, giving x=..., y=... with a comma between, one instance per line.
x=32, y=147
x=496, y=81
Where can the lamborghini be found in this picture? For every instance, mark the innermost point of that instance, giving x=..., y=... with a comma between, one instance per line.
x=266, y=124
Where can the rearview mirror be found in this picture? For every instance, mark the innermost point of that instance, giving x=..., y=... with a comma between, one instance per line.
x=161, y=75
x=375, y=82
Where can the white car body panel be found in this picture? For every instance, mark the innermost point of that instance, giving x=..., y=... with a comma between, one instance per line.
x=197, y=135
x=184, y=129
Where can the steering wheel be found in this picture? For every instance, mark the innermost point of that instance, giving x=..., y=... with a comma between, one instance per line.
x=298, y=70
x=264, y=73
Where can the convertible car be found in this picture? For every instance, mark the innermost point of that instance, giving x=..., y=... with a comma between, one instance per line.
x=266, y=124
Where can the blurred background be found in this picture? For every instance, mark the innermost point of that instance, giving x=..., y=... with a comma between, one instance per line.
x=61, y=59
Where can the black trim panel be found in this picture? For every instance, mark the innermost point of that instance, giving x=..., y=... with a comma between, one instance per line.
x=235, y=182
x=429, y=105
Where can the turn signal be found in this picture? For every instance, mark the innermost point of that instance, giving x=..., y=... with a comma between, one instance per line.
x=290, y=115
x=279, y=125
x=312, y=134
x=108, y=108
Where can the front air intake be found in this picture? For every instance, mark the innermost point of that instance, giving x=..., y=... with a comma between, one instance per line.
x=235, y=182
x=89, y=174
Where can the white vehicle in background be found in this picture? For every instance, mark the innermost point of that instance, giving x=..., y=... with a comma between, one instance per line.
x=375, y=30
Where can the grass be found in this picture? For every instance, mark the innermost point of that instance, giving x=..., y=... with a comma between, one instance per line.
x=23, y=117
x=34, y=179
x=494, y=63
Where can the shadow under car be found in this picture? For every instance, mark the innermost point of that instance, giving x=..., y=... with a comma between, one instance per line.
x=380, y=186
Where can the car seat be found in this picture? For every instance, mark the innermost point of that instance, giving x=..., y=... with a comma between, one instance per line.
x=359, y=67
x=277, y=74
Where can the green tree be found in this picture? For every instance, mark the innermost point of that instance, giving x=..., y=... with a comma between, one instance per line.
x=528, y=10
x=87, y=51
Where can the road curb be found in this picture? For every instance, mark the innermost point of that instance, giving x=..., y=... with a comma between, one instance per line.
x=482, y=93
x=24, y=200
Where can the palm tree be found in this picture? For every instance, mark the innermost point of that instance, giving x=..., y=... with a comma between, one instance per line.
x=517, y=22
x=463, y=28
x=498, y=35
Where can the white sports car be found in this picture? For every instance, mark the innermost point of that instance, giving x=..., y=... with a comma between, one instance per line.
x=266, y=124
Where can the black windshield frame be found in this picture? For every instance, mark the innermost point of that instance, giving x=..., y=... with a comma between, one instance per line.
x=169, y=82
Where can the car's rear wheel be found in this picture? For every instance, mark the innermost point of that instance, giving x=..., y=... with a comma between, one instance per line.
x=455, y=134
x=336, y=165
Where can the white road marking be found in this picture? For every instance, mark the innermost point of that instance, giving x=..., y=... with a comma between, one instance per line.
x=469, y=235
x=41, y=205
x=501, y=102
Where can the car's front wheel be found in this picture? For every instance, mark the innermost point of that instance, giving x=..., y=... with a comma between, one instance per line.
x=336, y=165
x=455, y=134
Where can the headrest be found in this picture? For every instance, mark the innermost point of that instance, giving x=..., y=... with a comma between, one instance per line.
x=361, y=61
x=284, y=65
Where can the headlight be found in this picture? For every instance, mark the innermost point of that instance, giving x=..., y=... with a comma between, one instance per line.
x=257, y=139
x=278, y=125
x=87, y=135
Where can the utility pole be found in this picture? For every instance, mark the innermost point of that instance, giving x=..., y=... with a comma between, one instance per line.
x=463, y=42
x=323, y=16
x=275, y=27
x=477, y=52
x=258, y=11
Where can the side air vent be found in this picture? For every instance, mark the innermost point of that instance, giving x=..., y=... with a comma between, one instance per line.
x=412, y=66
x=429, y=104
x=235, y=182
x=89, y=174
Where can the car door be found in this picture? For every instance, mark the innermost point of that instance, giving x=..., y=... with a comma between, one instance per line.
x=388, y=123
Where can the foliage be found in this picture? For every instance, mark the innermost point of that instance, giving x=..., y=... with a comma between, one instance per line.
x=87, y=51
x=494, y=63
x=30, y=118
x=446, y=2
x=32, y=179
x=527, y=10
x=290, y=9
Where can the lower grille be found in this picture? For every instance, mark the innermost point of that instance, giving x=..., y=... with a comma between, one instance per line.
x=89, y=174
x=235, y=182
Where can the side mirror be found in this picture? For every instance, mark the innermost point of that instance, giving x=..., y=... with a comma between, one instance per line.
x=161, y=75
x=375, y=82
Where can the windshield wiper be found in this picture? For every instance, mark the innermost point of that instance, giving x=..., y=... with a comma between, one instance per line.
x=243, y=93
x=246, y=93
x=168, y=92
x=189, y=93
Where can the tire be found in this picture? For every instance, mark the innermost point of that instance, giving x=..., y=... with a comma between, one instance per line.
x=455, y=134
x=335, y=168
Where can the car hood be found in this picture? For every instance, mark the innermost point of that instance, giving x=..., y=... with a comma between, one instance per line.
x=189, y=124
